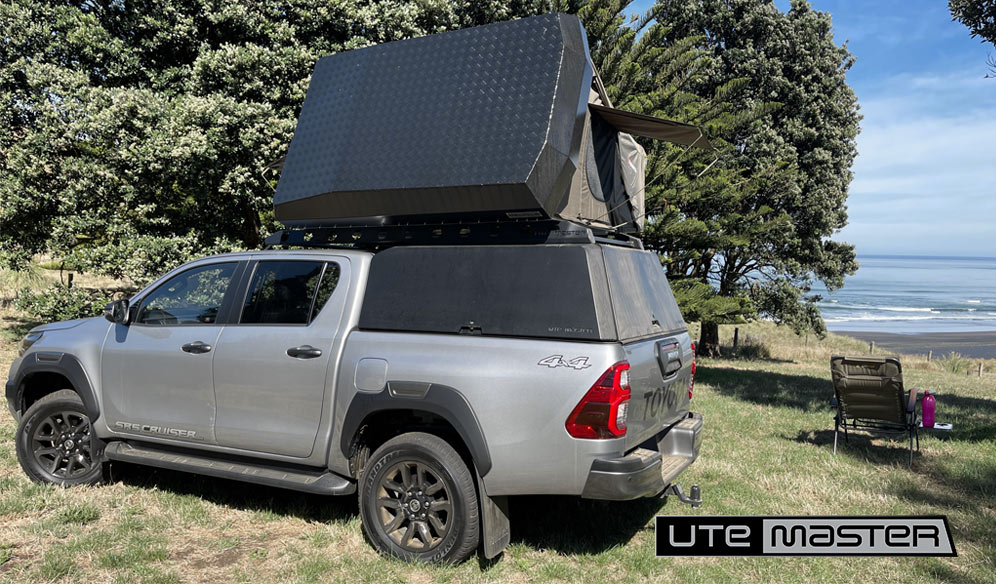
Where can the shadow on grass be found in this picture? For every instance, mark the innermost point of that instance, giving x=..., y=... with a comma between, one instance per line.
x=963, y=490
x=802, y=392
x=872, y=447
x=748, y=352
x=563, y=524
x=953, y=491
x=239, y=495
x=973, y=418
x=571, y=525
x=13, y=328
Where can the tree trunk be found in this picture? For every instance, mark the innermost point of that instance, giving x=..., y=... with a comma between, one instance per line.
x=708, y=340
x=250, y=231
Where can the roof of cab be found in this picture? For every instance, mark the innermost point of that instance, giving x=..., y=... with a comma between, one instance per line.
x=276, y=253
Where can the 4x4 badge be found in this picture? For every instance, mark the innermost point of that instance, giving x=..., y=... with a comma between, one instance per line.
x=554, y=361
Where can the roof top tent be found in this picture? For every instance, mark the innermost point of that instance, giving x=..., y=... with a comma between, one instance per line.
x=501, y=122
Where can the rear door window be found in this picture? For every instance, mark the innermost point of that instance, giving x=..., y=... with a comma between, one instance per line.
x=288, y=292
x=642, y=301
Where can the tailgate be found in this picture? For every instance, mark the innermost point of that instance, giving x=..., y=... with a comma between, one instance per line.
x=660, y=372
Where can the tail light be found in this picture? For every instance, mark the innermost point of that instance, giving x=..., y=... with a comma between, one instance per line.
x=691, y=378
x=601, y=413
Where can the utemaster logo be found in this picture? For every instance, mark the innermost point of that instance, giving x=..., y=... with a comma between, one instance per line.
x=690, y=535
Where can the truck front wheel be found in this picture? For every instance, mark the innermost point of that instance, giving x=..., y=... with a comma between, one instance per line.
x=55, y=442
x=418, y=501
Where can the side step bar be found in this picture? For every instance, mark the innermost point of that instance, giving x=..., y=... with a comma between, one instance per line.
x=308, y=481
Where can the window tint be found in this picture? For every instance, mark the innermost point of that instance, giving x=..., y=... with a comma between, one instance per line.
x=325, y=288
x=191, y=297
x=641, y=295
x=285, y=292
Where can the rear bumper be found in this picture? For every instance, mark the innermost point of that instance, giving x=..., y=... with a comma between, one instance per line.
x=645, y=472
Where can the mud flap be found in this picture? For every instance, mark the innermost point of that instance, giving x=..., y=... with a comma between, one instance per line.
x=495, y=529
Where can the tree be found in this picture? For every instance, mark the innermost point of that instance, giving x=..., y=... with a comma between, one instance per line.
x=757, y=227
x=980, y=18
x=978, y=15
x=139, y=130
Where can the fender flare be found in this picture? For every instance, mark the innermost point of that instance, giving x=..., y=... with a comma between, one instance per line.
x=64, y=364
x=440, y=400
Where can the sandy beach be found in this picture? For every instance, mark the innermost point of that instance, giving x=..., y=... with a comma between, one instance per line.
x=976, y=345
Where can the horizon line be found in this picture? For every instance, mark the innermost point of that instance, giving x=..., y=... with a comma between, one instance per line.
x=924, y=256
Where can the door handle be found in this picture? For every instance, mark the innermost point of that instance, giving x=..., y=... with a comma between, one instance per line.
x=196, y=347
x=304, y=352
x=669, y=357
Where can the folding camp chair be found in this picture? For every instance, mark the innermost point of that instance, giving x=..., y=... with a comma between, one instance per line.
x=868, y=393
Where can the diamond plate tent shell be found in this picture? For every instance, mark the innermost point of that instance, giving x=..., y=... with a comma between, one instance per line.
x=474, y=124
x=472, y=121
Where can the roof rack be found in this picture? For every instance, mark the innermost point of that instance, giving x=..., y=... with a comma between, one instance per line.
x=476, y=233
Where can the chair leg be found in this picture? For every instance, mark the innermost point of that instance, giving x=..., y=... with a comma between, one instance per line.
x=845, y=432
x=836, y=430
x=916, y=430
x=911, y=447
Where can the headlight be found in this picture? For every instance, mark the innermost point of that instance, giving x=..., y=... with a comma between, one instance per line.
x=28, y=340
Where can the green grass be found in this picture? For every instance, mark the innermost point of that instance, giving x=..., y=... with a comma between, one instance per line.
x=954, y=363
x=136, y=550
x=57, y=562
x=766, y=450
x=78, y=514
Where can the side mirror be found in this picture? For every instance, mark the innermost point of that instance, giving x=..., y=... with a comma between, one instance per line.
x=117, y=311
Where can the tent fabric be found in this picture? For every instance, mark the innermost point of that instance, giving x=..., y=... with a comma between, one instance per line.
x=607, y=190
x=585, y=201
x=605, y=140
x=633, y=164
x=651, y=127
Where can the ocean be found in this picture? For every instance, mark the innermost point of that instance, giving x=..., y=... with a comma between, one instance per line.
x=914, y=294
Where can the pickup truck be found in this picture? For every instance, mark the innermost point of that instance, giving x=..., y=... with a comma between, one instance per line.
x=434, y=381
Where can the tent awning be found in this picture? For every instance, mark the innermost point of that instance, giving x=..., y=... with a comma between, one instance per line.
x=651, y=127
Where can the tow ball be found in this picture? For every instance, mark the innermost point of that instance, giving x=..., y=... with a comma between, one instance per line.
x=694, y=498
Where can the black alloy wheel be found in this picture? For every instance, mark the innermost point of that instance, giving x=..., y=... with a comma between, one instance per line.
x=418, y=500
x=55, y=441
x=414, y=506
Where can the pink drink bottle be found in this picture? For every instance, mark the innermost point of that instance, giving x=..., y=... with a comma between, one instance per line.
x=928, y=405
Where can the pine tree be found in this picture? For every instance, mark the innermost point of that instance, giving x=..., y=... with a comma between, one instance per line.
x=770, y=88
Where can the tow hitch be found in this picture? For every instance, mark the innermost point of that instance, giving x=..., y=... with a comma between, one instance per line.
x=694, y=498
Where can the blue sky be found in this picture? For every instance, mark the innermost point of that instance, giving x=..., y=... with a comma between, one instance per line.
x=925, y=176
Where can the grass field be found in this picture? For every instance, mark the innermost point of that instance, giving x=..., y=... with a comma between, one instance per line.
x=766, y=451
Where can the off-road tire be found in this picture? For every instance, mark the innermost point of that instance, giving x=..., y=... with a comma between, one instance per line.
x=55, y=442
x=437, y=503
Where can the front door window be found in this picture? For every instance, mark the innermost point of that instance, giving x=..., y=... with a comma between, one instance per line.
x=190, y=297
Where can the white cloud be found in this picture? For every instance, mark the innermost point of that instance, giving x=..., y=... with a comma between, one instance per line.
x=925, y=179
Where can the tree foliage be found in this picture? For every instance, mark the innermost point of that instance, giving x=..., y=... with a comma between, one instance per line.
x=129, y=124
x=770, y=89
x=138, y=131
x=978, y=15
x=61, y=302
x=980, y=18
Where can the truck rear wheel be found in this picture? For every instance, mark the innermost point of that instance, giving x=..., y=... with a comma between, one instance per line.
x=55, y=442
x=418, y=501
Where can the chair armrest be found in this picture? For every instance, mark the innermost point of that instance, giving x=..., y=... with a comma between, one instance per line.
x=911, y=402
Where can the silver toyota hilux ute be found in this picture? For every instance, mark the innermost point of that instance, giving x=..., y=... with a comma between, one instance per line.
x=460, y=309
x=319, y=371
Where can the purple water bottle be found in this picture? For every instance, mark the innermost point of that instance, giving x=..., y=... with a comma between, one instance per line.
x=928, y=405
